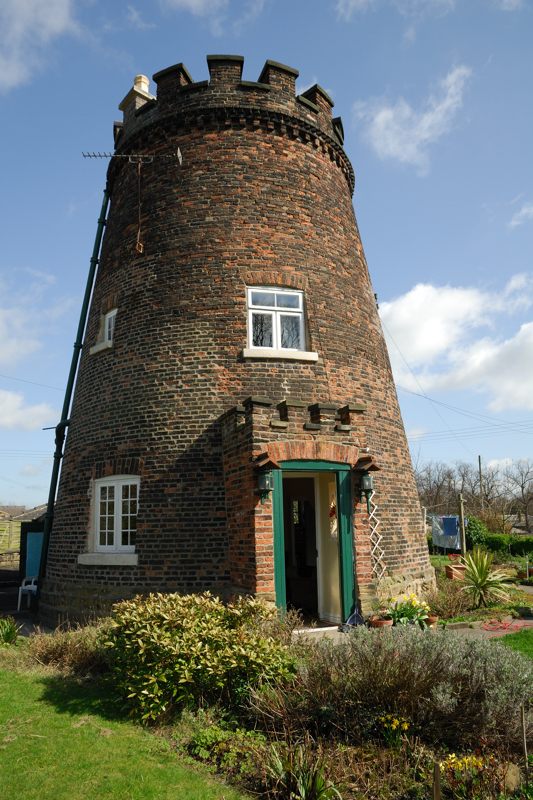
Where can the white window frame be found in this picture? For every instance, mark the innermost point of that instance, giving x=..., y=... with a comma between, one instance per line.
x=109, y=325
x=276, y=312
x=106, y=334
x=276, y=350
x=116, y=481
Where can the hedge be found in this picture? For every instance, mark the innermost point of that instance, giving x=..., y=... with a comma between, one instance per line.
x=519, y=547
x=497, y=542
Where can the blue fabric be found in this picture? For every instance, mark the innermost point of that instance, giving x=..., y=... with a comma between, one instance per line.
x=445, y=532
x=33, y=553
x=450, y=526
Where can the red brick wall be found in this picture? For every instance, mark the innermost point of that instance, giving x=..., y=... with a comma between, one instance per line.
x=263, y=196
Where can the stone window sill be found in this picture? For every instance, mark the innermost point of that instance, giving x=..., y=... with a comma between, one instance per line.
x=99, y=347
x=109, y=559
x=286, y=355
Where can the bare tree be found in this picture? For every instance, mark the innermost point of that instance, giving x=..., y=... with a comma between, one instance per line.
x=519, y=477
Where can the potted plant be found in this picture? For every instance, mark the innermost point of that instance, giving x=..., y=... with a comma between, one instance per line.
x=455, y=571
x=407, y=610
x=380, y=618
x=431, y=619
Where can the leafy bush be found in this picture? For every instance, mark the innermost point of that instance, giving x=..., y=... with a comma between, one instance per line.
x=476, y=533
x=173, y=651
x=9, y=630
x=449, y=600
x=497, y=542
x=452, y=689
x=521, y=546
x=481, y=582
x=76, y=650
x=238, y=753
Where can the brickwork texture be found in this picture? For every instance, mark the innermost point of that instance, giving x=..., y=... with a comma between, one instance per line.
x=261, y=198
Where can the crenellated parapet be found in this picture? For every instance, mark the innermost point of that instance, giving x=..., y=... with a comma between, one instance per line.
x=226, y=101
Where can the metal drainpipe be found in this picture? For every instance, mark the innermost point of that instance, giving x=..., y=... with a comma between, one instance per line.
x=61, y=427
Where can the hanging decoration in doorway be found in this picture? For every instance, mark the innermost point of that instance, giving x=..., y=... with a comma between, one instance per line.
x=333, y=524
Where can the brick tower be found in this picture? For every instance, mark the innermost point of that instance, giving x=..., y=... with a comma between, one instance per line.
x=234, y=388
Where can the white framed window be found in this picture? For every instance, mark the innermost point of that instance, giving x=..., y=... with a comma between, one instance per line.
x=115, y=513
x=275, y=319
x=109, y=325
x=106, y=333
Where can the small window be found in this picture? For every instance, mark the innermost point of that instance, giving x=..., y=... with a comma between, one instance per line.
x=109, y=325
x=116, y=506
x=276, y=319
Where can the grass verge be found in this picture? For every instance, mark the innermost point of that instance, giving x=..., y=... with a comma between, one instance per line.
x=62, y=739
x=521, y=641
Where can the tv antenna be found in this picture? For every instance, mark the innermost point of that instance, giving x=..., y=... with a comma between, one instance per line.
x=139, y=159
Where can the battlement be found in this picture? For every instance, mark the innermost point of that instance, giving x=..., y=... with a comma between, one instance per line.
x=265, y=422
x=271, y=100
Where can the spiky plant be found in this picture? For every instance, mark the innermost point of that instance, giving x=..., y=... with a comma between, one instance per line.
x=482, y=583
x=9, y=630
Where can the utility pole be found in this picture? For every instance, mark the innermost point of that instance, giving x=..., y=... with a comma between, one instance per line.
x=462, y=537
x=480, y=482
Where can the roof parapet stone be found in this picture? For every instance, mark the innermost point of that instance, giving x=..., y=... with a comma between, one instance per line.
x=279, y=76
x=225, y=69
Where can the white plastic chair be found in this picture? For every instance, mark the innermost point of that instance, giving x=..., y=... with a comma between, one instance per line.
x=29, y=587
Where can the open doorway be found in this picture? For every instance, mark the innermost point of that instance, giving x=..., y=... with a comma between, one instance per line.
x=311, y=545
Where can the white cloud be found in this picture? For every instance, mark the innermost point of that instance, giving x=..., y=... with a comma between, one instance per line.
x=27, y=28
x=509, y=5
x=253, y=9
x=200, y=8
x=16, y=340
x=204, y=8
x=404, y=134
x=30, y=469
x=499, y=463
x=25, y=312
x=525, y=214
x=14, y=416
x=435, y=328
x=135, y=19
x=414, y=434
x=347, y=8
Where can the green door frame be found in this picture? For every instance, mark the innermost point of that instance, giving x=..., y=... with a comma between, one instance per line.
x=346, y=577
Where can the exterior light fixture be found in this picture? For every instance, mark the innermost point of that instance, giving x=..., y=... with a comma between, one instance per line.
x=265, y=484
x=367, y=487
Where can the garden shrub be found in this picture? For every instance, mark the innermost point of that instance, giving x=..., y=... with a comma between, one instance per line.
x=75, y=650
x=452, y=689
x=238, y=753
x=521, y=546
x=172, y=651
x=476, y=533
x=497, y=542
x=449, y=600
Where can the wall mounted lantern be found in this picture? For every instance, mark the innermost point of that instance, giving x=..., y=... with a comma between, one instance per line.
x=367, y=487
x=265, y=484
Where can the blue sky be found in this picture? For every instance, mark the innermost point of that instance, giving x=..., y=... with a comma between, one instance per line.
x=436, y=100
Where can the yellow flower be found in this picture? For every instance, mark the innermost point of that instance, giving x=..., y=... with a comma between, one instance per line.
x=405, y=726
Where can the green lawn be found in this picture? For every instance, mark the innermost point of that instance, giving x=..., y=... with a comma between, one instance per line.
x=65, y=740
x=522, y=641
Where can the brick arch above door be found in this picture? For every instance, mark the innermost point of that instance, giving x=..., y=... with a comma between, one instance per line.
x=315, y=450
